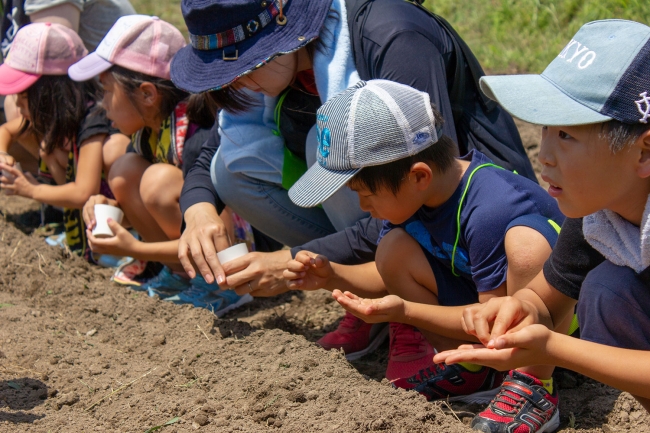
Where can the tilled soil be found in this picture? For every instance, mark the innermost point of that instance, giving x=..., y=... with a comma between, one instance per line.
x=79, y=353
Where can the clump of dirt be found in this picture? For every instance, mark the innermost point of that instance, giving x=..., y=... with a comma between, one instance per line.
x=79, y=353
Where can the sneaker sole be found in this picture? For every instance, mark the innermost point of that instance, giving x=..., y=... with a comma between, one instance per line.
x=481, y=397
x=374, y=344
x=243, y=300
x=549, y=427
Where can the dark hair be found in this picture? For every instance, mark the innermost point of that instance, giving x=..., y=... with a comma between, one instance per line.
x=57, y=107
x=237, y=101
x=440, y=155
x=132, y=80
x=201, y=110
x=620, y=135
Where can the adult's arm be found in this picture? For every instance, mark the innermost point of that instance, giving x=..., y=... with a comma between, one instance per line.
x=352, y=246
x=198, y=187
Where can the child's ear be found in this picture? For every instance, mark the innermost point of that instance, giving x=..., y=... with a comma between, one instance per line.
x=421, y=175
x=149, y=94
x=643, y=142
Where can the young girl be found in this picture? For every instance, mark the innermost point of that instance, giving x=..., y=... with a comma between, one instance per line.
x=62, y=116
x=167, y=130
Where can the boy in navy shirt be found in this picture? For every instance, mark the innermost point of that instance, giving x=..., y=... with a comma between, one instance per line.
x=458, y=231
x=594, y=103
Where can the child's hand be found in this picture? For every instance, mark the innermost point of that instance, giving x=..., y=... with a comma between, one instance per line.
x=308, y=271
x=387, y=309
x=88, y=212
x=528, y=346
x=22, y=183
x=122, y=244
x=492, y=319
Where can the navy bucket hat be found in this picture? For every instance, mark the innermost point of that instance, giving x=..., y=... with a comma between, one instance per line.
x=230, y=38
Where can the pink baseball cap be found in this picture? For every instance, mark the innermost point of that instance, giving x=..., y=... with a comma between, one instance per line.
x=139, y=43
x=39, y=49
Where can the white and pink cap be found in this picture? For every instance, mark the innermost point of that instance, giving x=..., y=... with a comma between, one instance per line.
x=39, y=49
x=140, y=43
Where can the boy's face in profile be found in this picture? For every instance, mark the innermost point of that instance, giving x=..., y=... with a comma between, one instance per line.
x=383, y=204
x=583, y=173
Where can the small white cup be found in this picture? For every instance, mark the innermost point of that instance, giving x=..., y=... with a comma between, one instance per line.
x=102, y=213
x=232, y=253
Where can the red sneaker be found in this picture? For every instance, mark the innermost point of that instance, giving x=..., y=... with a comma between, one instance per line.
x=456, y=383
x=356, y=337
x=523, y=405
x=409, y=353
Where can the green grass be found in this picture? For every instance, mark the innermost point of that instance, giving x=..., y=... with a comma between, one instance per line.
x=507, y=36
x=511, y=36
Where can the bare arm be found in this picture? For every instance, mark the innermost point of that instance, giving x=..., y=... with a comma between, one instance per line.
x=538, y=302
x=124, y=244
x=536, y=344
x=87, y=181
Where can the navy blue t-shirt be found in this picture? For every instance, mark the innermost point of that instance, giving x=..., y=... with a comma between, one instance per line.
x=495, y=201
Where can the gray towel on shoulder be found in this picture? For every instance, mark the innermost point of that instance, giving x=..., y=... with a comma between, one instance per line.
x=620, y=241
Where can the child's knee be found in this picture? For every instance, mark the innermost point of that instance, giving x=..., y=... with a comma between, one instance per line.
x=113, y=149
x=396, y=252
x=526, y=251
x=161, y=185
x=126, y=172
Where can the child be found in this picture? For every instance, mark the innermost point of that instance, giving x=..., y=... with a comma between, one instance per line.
x=62, y=116
x=133, y=66
x=594, y=105
x=457, y=231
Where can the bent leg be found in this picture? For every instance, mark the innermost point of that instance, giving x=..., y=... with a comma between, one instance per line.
x=114, y=147
x=614, y=309
x=124, y=179
x=527, y=250
x=267, y=207
x=160, y=189
x=414, y=279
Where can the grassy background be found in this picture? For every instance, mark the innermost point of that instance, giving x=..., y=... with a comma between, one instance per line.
x=511, y=36
x=507, y=36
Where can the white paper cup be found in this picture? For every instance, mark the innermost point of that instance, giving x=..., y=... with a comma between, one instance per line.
x=102, y=213
x=232, y=253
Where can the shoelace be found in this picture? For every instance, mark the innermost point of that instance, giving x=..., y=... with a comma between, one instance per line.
x=431, y=371
x=405, y=340
x=508, y=401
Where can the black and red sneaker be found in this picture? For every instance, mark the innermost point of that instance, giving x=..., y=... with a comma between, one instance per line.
x=456, y=383
x=523, y=405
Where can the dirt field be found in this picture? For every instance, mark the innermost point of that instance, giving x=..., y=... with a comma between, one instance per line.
x=80, y=354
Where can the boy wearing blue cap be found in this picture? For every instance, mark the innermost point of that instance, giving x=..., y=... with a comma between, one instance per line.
x=457, y=230
x=594, y=103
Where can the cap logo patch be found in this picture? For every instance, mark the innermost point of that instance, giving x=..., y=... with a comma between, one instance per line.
x=643, y=105
x=421, y=138
x=324, y=137
x=576, y=51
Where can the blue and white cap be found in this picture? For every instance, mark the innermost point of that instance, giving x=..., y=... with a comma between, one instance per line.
x=600, y=75
x=371, y=123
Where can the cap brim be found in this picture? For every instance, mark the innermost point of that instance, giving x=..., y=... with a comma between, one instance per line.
x=88, y=67
x=534, y=99
x=13, y=81
x=198, y=71
x=319, y=184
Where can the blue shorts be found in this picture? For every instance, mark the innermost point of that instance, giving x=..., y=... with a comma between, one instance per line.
x=455, y=291
x=614, y=308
